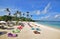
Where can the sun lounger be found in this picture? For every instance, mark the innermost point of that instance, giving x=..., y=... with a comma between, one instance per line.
x=21, y=24
x=29, y=25
x=2, y=27
x=10, y=28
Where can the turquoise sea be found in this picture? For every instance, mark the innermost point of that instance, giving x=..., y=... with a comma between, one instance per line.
x=54, y=24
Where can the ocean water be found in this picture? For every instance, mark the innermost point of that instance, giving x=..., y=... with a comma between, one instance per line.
x=54, y=24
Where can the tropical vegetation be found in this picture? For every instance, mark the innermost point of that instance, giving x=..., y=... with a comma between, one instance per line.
x=18, y=16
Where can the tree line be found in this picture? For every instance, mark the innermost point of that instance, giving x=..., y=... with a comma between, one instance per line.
x=17, y=16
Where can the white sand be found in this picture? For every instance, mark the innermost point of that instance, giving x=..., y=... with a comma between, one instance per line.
x=27, y=33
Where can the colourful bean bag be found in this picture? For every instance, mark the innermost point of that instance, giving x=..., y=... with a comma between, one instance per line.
x=16, y=31
x=36, y=32
x=38, y=29
x=20, y=27
x=32, y=28
x=12, y=35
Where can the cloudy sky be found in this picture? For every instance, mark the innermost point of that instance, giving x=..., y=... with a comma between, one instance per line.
x=40, y=9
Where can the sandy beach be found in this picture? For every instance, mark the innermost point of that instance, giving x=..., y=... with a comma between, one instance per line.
x=27, y=33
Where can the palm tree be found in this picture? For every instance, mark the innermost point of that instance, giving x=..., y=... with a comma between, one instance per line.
x=8, y=14
x=31, y=15
x=19, y=14
x=8, y=11
x=16, y=15
x=8, y=20
x=23, y=14
x=27, y=14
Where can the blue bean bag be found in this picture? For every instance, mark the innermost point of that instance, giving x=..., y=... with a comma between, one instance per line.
x=33, y=28
x=38, y=29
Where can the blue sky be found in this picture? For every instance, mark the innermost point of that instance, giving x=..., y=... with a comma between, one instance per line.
x=40, y=9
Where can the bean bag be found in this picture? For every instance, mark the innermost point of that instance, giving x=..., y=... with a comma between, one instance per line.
x=12, y=35
x=2, y=27
x=20, y=27
x=32, y=28
x=16, y=31
x=36, y=32
x=38, y=29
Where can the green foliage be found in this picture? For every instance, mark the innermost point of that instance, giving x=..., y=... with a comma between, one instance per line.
x=6, y=18
x=11, y=18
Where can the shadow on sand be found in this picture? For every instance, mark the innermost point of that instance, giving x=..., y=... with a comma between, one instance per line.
x=3, y=32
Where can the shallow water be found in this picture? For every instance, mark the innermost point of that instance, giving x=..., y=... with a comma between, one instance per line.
x=51, y=24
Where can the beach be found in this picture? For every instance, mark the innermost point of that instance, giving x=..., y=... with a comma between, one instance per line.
x=27, y=33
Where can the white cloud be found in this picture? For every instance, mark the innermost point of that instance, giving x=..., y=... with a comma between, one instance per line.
x=46, y=17
x=37, y=12
x=1, y=10
x=44, y=11
x=46, y=8
x=57, y=16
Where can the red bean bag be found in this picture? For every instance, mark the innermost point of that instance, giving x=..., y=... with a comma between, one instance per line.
x=20, y=27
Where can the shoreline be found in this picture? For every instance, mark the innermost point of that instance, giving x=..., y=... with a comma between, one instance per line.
x=27, y=32
x=45, y=26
